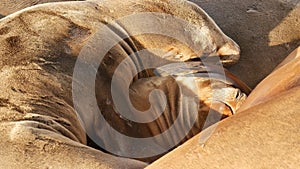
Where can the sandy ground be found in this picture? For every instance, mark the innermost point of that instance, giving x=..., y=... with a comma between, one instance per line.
x=266, y=30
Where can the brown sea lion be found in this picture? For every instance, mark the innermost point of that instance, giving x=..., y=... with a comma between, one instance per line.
x=264, y=134
x=189, y=109
x=38, y=53
x=210, y=42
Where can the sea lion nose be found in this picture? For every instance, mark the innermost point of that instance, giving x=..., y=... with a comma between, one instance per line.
x=229, y=52
x=230, y=48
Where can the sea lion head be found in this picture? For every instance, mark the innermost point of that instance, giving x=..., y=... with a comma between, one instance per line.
x=215, y=87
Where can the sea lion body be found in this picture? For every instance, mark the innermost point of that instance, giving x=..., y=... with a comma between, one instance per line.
x=264, y=133
x=39, y=48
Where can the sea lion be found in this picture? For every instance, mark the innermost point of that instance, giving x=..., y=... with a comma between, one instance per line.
x=39, y=49
x=216, y=99
x=211, y=42
x=263, y=134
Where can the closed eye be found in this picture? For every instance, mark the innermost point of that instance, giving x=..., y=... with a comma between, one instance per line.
x=238, y=94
